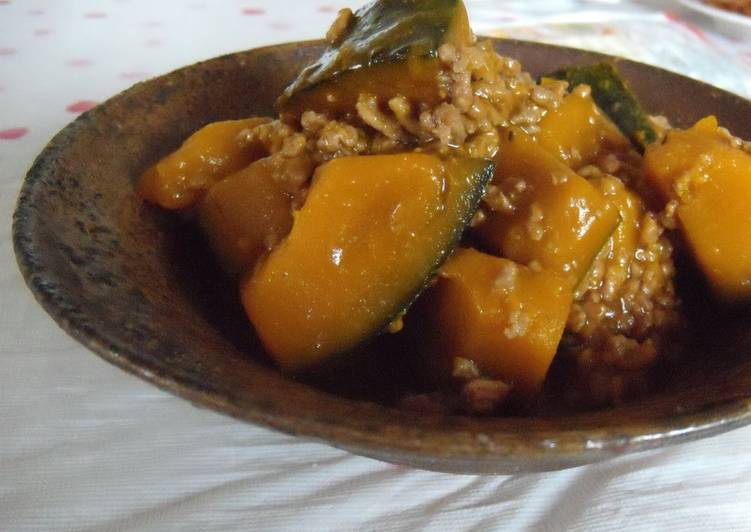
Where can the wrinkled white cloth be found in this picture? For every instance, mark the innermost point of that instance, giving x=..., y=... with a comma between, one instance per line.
x=85, y=446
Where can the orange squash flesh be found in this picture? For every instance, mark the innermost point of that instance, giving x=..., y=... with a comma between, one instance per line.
x=179, y=180
x=556, y=217
x=711, y=183
x=578, y=131
x=505, y=317
x=245, y=215
x=371, y=231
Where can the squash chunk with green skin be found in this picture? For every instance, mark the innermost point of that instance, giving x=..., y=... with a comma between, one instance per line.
x=391, y=49
x=710, y=181
x=612, y=94
x=623, y=243
x=246, y=214
x=182, y=178
x=550, y=214
x=505, y=317
x=365, y=243
x=577, y=131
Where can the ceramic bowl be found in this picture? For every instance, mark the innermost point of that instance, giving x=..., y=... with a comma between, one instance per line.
x=138, y=288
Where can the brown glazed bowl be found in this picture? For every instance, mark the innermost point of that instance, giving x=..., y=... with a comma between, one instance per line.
x=137, y=288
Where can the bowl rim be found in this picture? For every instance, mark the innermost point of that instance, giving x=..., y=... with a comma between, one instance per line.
x=492, y=448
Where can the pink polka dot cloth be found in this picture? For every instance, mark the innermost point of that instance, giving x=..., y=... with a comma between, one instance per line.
x=84, y=446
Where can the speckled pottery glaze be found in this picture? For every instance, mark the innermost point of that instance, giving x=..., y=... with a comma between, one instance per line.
x=137, y=287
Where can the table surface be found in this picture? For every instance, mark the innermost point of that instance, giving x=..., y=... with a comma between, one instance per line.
x=84, y=446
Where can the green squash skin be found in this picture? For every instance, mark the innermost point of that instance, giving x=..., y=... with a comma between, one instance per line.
x=479, y=174
x=581, y=286
x=611, y=94
x=384, y=31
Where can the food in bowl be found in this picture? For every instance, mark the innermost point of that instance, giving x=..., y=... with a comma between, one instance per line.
x=510, y=241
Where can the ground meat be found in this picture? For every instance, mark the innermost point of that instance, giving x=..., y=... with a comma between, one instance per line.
x=484, y=92
x=337, y=139
x=292, y=172
x=387, y=125
x=446, y=124
x=483, y=396
x=475, y=394
x=627, y=318
x=661, y=126
x=735, y=142
x=402, y=109
x=505, y=281
x=271, y=135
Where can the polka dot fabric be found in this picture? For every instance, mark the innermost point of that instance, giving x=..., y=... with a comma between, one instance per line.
x=84, y=446
x=53, y=55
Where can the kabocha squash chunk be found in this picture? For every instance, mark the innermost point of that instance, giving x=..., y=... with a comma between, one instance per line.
x=577, y=131
x=619, y=250
x=546, y=212
x=505, y=317
x=179, y=180
x=391, y=49
x=371, y=232
x=612, y=95
x=710, y=181
x=246, y=214
x=680, y=153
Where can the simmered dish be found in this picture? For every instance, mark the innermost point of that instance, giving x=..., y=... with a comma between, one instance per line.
x=422, y=191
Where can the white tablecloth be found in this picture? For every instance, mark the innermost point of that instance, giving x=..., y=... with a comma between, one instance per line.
x=84, y=446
